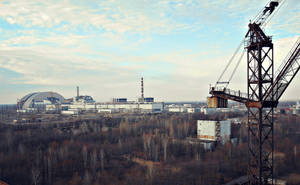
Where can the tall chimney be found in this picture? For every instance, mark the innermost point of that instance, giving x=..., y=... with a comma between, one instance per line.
x=77, y=91
x=142, y=89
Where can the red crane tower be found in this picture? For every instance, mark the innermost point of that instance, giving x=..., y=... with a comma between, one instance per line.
x=264, y=92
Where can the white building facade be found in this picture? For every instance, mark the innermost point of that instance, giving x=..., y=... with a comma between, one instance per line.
x=152, y=107
x=214, y=130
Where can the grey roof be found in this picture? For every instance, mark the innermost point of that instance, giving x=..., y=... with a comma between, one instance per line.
x=27, y=101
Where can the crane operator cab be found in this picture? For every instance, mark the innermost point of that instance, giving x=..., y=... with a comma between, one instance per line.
x=271, y=7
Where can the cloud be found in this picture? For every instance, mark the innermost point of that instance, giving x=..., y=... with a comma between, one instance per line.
x=123, y=16
x=106, y=46
x=286, y=19
x=107, y=16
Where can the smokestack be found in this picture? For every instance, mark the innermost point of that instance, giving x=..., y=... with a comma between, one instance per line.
x=142, y=88
x=77, y=91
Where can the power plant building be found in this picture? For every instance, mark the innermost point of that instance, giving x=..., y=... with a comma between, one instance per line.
x=40, y=101
x=130, y=107
x=50, y=101
x=79, y=104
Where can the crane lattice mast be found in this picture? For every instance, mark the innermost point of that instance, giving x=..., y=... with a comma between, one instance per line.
x=264, y=92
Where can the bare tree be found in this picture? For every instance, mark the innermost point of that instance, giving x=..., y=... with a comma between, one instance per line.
x=102, y=159
x=35, y=174
x=155, y=151
x=171, y=128
x=94, y=160
x=186, y=128
x=21, y=149
x=84, y=156
x=165, y=140
x=150, y=172
x=87, y=178
x=84, y=127
x=9, y=137
x=120, y=145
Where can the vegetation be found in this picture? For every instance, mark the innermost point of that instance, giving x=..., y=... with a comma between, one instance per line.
x=140, y=149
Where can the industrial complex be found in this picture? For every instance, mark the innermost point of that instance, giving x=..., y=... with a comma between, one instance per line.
x=40, y=101
x=229, y=137
x=52, y=102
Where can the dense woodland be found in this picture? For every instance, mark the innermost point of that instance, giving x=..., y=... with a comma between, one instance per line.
x=136, y=150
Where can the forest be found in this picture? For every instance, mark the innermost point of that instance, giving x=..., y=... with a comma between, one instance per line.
x=129, y=149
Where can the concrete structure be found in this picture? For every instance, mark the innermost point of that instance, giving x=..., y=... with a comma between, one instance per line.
x=217, y=102
x=208, y=111
x=83, y=99
x=38, y=101
x=80, y=104
x=53, y=108
x=119, y=100
x=298, y=107
x=131, y=107
x=192, y=110
x=69, y=112
x=107, y=110
x=82, y=107
x=177, y=109
x=189, y=108
x=53, y=103
x=148, y=99
x=214, y=130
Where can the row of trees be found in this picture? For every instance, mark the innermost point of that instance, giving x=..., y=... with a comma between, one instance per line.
x=140, y=149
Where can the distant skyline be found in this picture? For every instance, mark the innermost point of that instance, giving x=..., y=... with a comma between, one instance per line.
x=106, y=46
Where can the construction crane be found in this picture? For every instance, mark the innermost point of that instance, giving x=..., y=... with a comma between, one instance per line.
x=264, y=91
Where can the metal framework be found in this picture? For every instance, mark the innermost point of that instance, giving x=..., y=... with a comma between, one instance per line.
x=260, y=113
x=264, y=92
x=142, y=89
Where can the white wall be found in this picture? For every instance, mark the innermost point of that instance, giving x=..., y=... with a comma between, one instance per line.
x=206, y=130
x=177, y=109
x=148, y=107
x=225, y=130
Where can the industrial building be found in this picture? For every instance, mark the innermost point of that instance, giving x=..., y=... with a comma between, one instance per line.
x=185, y=108
x=132, y=106
x=78, y=104
x=297, y=108
x=53, y=102
x=214, y=131
x=40, y=101
x=142, y=105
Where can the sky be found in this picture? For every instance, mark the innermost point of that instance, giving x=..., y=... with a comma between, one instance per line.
x=180, y=47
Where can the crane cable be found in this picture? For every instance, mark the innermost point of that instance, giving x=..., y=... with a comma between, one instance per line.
x=230, y=61
x=258, y=15
x=240, y=45
x=236, y=66
x=235, y=53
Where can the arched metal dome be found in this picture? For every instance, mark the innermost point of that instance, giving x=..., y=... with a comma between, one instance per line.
x=29, y=100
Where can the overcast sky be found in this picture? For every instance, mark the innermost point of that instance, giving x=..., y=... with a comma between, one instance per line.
x=106, y=46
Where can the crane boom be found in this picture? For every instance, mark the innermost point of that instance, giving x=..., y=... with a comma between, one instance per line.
x=262, y=17
x=287, y=72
